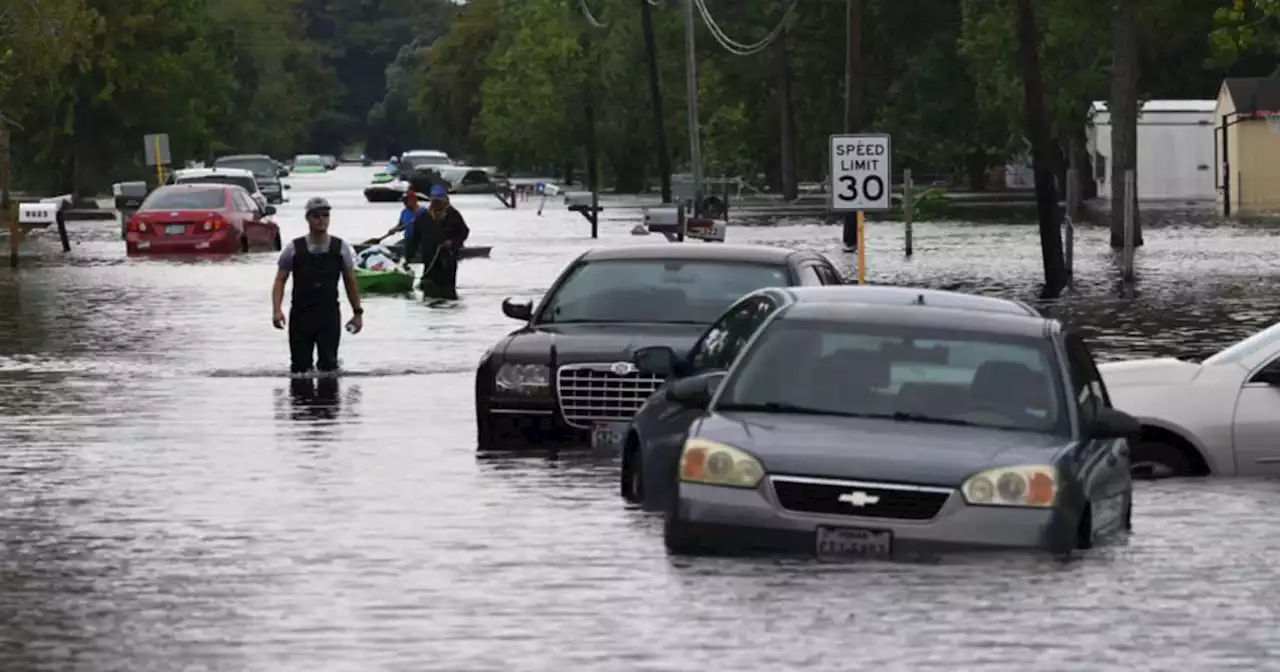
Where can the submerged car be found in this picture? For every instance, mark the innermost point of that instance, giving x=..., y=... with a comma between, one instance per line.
x=308, y=163
x=265, y=170
x=330, y=161
x=567, y=376
x=200, y=218
x=874, y=431
x=651, y=449
x=1220, y=416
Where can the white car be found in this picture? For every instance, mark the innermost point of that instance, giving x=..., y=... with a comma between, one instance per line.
x=239, y=177
x=1218, y=417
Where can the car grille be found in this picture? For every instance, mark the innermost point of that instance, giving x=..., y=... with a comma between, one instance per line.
x=592, y=393
x=878, y=500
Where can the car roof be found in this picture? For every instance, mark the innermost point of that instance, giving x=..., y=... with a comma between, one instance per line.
x=706, y=252
x=242, y=156
x=424, y=152
x=921, y=316
x=198, y=186
x=205, y=172
x=888, y=295
x=307, y=156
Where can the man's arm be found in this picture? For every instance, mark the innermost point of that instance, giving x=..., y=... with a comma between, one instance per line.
x=460, y=230
x=283, y=268
x=349, y=276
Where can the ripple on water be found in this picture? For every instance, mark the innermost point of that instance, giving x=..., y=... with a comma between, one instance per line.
x=173, y=502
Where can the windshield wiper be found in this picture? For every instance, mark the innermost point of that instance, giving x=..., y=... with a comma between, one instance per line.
x=781, y=407
x=920, y=417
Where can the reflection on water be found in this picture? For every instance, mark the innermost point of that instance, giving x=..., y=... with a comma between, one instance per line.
x=171, y=500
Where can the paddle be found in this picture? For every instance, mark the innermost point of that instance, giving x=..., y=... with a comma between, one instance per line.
x=375, y=241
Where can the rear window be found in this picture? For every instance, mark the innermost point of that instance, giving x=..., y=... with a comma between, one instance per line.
x=686, y=291
x=260, y=167
x=185, y=199
x=428, y=160
x=245, y=182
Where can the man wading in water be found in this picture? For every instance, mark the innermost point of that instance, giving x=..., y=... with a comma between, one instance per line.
x=439, y=233
x=316, y=260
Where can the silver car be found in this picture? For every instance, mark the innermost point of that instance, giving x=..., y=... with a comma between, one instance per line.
x=863, y=431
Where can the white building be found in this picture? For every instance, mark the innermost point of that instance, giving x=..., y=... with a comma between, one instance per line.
x=1175, y=150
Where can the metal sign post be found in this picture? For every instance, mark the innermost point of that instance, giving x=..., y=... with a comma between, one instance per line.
x=861, y=180
x=156, y=149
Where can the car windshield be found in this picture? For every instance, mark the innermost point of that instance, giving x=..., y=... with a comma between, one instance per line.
x=245, y=182
x=655, y=290
x=308, y=161
x=1263, y=340
x=427, y=160
x=260, y=167
x=185, y=199
x=912, y=374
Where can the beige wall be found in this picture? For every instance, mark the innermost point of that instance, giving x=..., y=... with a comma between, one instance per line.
x=1254, y=153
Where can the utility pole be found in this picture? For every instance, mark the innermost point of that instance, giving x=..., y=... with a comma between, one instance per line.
x=691, y=76
x=655, y=92
x=852, y=100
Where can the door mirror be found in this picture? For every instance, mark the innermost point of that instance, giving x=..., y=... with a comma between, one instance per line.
x=517, y=309
x=269, y=210
x=287, y=186
x=658, y=360
x=1113, y=424
x=696, y=392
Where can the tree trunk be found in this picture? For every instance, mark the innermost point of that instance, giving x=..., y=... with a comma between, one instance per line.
x=1123, y=107
x=1055, y=270
x=787, y=142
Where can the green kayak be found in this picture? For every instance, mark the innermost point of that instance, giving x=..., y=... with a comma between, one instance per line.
x=384, y=282
x=383, y=178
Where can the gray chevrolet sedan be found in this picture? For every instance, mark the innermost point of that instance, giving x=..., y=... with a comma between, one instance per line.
x=865, y=431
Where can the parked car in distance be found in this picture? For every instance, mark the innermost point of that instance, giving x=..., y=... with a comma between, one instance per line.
x=330, y=161
x=1220, y=416
x=265, y=171
x=239, y=177
x=200, y=218
x=656, y=434
x=566, y=375
x=856, y=431
x=308, y=163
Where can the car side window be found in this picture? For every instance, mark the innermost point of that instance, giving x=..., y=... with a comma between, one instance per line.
x=246, y=203
x=828, y=274
x=809, y=276
x=725, y=339
x=1086, y=382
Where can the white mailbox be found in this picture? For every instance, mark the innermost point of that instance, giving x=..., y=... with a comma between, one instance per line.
x=38, y=214
x=663, y=218
x=579, y=199
x=550, y=190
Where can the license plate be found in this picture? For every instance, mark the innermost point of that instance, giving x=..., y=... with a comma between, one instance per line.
x=850, y=543
x=175, y=229
x=607, y=435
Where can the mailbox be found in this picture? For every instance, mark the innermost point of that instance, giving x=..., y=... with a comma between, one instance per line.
x=658, y=219
x=38, y=215
x=577, y=199
x=549, y=189
x=129, y=195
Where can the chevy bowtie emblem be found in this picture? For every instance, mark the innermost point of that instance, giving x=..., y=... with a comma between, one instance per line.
x=622, y=368
x=858, y=499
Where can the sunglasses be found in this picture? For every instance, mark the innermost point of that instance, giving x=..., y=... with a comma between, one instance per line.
x=318, y=213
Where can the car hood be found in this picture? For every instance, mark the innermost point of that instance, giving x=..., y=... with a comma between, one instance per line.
x=597, y=342
x=868, y=449
x=1158, y=371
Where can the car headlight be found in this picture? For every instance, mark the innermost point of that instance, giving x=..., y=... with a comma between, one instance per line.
x=523, y=378
x=712, y=463
x=1033, y=486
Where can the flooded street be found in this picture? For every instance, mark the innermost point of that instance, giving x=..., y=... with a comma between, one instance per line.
x=169, y=505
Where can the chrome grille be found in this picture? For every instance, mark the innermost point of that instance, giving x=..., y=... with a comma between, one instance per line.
x=870, y=500
x=591, y=393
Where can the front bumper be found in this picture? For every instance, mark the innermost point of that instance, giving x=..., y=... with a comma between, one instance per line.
x=519, y=423
x=714, y=520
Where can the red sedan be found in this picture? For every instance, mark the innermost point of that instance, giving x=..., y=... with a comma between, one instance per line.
x=201, y=218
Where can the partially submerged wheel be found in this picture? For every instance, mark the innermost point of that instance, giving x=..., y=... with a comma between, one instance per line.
x=1154, y=459
x=244, y=243
x=277, y=244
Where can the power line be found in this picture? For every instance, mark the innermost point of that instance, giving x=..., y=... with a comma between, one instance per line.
x=591, y=19
x=739, y=48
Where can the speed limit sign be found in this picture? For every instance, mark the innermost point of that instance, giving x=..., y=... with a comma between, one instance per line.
x=860, y=172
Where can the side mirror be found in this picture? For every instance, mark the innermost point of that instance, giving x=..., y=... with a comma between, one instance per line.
x=517, y=309
x=657, y=360
x=269, y=210
x=287, y=186
x=1113, y=424
x=693, y=393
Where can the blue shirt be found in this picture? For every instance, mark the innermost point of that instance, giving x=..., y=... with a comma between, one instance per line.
x=406, y=218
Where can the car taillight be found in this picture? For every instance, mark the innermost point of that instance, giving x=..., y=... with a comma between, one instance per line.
x=214, y=224
x=135, y=226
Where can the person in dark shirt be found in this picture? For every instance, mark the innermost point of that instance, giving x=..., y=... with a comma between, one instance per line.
x=317, y=261
x=439, y=233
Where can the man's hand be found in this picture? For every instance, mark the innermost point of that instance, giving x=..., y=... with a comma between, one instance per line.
x=358, y=323
x=277, y=319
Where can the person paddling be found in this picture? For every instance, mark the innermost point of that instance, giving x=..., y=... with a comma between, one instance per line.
x=412, y=208
x=439, y=233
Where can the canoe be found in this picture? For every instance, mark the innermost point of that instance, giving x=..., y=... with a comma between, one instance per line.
x=383, y=178
x=468, y=252
x=384, y=282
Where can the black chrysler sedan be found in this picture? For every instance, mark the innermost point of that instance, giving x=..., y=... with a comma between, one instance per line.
x=567, y=376
x=655, y=437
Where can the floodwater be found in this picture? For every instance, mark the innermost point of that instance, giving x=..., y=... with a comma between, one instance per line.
x=169, y=505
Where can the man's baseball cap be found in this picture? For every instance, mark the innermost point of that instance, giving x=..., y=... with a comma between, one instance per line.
x=317, y=203
x=438, y=191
